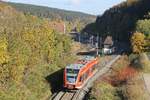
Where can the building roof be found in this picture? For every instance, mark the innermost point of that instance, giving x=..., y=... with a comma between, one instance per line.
x=108, y=40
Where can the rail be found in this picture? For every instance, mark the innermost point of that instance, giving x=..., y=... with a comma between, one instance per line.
x=80, y=94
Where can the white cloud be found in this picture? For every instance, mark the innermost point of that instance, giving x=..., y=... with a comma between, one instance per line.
x=76, y=2
x=5, y=0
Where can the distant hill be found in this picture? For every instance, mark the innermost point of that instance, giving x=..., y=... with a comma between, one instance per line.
x=53, y=13
x=120, y=20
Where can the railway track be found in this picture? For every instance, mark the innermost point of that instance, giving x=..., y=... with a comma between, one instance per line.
x=79, y=94
x=65, y=95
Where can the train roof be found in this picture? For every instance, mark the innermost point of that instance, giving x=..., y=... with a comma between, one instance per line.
x=81, y=63
x=75, y=66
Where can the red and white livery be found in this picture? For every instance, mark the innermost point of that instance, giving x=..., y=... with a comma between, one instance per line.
x=77, y=74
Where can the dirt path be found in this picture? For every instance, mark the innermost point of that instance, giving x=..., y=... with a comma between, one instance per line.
x=147, y=81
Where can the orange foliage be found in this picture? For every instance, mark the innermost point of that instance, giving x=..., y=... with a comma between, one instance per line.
x=121, y=76
x=57, y=26
x=107, y=79
x=126, y=73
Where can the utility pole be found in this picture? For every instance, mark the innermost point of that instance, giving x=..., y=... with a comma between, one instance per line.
x=100, y=42
x=79, y=38
x=97, y=44
x=92, y=41
x=64, y=27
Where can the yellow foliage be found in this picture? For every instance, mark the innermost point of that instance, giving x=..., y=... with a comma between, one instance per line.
x=3, y=59
x=131, y=2
x=16, y=73
x=29, y=36
x=2, y=6
x=138, y=42
x=35, y=50
x=3, y=50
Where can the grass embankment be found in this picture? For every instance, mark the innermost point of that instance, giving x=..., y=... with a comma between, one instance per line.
x=104, y=88
x=141, y=62
x=135, y=88
x=124, y=81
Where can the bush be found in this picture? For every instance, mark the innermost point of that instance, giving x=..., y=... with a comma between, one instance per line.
x=124, y=74
x=135, y=89
x=144, y=62
x=141, y=62
x=37, y=85
x=133, y=57
x=16, y=92
x=103, y=91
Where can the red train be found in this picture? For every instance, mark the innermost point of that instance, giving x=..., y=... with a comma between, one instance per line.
x=76, y=75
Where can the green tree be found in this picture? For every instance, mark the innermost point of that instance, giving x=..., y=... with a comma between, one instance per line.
x=143, y=26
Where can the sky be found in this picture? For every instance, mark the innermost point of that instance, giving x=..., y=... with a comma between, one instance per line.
x=95, y=7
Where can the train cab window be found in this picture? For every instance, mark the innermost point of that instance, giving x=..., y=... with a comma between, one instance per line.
x=71, y=79
x=72, y=75
x=73, y=71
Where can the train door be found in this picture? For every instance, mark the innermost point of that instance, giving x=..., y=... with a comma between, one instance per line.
x=83, y=77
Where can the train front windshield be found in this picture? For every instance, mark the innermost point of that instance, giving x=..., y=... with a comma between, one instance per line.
x=72, y=75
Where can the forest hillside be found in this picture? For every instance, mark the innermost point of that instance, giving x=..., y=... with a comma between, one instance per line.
x=30, y=50
x=53, y=13
x=121, y=20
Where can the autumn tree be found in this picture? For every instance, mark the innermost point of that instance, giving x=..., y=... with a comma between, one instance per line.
x=69, y=27
x=131, y=2
x=4, y=57
x=30, y=50
x=138, y=42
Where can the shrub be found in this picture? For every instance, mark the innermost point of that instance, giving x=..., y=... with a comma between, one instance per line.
x=133, y=57
x=141, y=62
x=135, y=89
x=103, y=91
x=144, y=62
x=16, y=92
x=123, y=75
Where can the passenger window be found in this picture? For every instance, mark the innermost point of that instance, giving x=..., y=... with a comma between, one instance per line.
x=88, y=72
x=81, y=79
x=85, y=75
x=93, y=69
